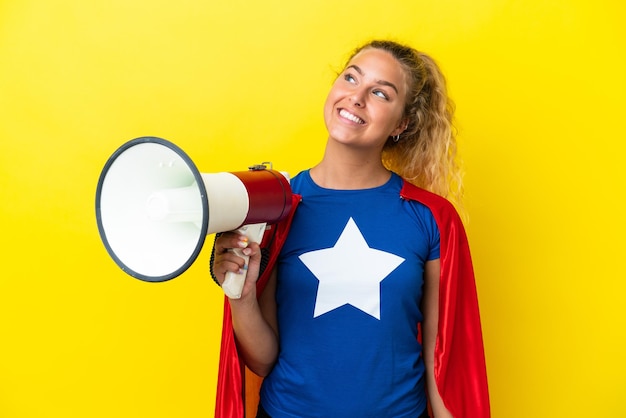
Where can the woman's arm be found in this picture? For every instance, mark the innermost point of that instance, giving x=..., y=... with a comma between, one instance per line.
x=430, y=309
x=254, y=321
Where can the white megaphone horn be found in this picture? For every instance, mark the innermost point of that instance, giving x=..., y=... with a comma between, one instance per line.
x=154, y=208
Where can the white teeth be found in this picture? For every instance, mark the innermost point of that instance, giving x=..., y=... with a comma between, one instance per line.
x=345, y=114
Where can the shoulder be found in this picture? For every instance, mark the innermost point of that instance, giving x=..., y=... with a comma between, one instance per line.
x=441, y=207
x=299, y=181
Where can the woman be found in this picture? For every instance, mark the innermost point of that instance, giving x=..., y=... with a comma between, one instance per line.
x=368, y=261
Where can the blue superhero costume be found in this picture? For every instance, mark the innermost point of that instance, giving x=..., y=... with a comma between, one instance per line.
x=381, y=326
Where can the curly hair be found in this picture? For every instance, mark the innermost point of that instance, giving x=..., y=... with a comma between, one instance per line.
x=426, y=152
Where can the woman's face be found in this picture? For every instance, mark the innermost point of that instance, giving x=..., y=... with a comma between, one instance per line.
x=365, y=104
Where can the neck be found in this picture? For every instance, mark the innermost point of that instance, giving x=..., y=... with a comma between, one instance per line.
x=350, y=170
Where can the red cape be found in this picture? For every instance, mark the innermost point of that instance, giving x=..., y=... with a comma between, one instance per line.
x=460, y=370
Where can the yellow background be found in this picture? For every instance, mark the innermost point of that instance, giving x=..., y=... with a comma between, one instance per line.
x=539, y=86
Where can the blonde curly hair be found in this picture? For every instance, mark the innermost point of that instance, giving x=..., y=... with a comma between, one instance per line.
x=426, y=152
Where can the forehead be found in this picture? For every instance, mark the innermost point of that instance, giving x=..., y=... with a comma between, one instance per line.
x=380, y=65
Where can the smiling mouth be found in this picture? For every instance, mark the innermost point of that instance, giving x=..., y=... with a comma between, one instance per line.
x=347, y=115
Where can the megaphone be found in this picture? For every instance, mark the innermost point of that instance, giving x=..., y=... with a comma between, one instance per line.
x=154, y=208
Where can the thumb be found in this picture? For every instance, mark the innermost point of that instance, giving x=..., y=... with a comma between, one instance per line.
x=254, y=251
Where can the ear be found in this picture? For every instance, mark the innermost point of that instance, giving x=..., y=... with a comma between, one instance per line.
x=404, y=123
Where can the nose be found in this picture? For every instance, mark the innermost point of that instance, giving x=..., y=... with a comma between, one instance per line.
x=358, y=98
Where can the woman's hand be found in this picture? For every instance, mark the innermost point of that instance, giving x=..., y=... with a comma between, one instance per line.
x=226, y=260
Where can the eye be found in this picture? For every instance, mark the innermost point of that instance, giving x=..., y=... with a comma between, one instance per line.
x=381, y=94
x=349, y=78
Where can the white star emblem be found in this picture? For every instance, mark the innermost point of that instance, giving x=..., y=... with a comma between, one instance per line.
x=350, y=273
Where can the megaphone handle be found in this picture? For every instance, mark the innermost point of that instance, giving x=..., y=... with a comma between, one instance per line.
x=233, y=283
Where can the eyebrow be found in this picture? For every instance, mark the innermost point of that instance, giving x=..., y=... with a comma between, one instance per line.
x=381, y=82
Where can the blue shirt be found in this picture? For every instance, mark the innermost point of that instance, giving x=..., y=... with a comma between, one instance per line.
x=350, y=279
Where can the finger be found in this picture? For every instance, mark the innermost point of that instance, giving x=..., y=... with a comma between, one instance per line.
x=229, y=240
x=220, y=269
x=254, y=251
x=228, y=257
